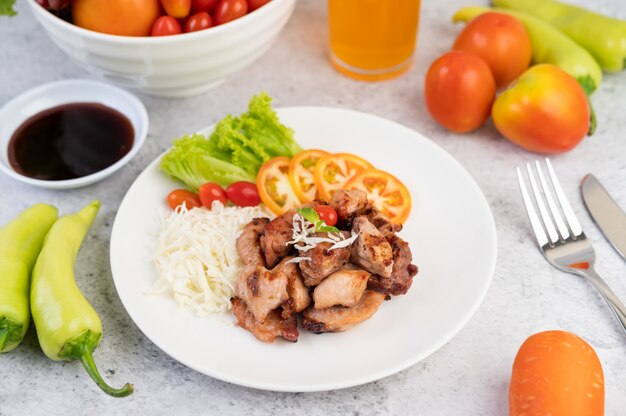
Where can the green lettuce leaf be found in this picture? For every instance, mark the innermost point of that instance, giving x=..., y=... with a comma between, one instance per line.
x=192, y=161
x=6, y=8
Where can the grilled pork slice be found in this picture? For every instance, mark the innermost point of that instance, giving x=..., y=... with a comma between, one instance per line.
x=401, y=278
x=348, y=204
x=344, y=287
x=323, y=261
x=248, y=245
x=277, y=233
x=274, y=325
x=341, y=318
x=371, y=250
x=299, y=297
x=381, y=221
x=261, y=290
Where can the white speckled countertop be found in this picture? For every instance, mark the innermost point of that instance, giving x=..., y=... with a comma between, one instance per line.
x=468, y=376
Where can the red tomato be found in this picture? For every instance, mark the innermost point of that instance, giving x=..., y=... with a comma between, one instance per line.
x=181, y=196
x=255, y=4
x=177, y=8
x=210, y=192
x=327, y=214
x=228, y=10
x=165, y=26
x=116, y=17
x=198, y=21
x=243, y=194
x=544, y=111
x=203, y=5
x=503, y=43
x=459, y=91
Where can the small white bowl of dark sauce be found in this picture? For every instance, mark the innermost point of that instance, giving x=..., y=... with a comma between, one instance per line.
x=71, y=133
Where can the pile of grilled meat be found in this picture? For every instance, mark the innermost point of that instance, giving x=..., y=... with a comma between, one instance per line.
x=336, y=289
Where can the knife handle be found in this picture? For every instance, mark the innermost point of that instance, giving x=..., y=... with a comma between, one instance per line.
x=616, y=305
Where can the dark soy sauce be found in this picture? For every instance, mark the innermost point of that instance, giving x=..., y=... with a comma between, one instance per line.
x=70, y=141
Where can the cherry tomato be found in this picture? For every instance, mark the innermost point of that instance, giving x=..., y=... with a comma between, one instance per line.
x=116, y=17
x=198, y=21
x=503, y=43
x=274, y=188
x=385, y=192
x=228, y=10
x=333, y=171
x=243, y=194
x=177, y=8
x=459, y=90
x=210, y=192
x=203, y=5
x=255, y=4
x=327, y=214
x=166, y=26
x=181, y=196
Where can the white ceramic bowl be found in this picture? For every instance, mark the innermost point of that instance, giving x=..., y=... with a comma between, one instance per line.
x=171, y=66
x=46, y=96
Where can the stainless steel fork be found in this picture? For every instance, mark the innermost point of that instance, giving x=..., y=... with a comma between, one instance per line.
x=559, y=234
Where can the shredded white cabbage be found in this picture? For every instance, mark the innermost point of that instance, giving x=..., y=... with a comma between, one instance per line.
x=301, y=238
x=196, y=256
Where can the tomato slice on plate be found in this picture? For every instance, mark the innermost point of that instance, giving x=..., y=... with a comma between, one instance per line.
x=274, y=188
x=301, y=173
x=385, y=192
x=332, y=172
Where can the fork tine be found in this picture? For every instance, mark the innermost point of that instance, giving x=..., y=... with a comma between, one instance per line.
x=535, y=222
x=554, y=210
x=570, y=217
x=545, y=216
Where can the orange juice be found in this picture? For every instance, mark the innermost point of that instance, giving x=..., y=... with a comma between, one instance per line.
x=373, y=39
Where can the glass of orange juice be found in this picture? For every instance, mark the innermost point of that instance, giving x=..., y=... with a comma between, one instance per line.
x=373, y=40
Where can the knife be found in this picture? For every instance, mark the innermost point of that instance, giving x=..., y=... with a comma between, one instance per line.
x=605, y=212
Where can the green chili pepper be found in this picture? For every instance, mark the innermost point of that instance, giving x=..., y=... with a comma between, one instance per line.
x=603, y=36
x=68, y=327
x=549, y=46
x=20, y=243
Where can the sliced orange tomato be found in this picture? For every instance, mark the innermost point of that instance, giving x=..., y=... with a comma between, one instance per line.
x=332, y=172
x=301, y=173
x=385, y=192
x=274, y=188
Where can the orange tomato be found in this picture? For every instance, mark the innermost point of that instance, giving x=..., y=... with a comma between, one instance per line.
x=556, y=373
x=274, y=188
x=177, y=8
x=332, y=172
x=503, y=43
x=459, y=90
x=385, y=192
x=301, y=173
x=545, y=111
x=116, y=17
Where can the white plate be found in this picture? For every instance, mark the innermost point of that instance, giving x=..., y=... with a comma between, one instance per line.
x=451, y=233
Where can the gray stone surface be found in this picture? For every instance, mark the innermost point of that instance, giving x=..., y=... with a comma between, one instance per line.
x=468, y=376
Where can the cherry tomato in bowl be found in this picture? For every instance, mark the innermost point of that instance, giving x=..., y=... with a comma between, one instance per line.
x=116, y=17
x=229, y=10
x=177, y=8
x=166, y=26
x=182, y=196
x=243, y=194
x=210, y=192
x=327, y=214
x=198, y=21
x=255, y=4
x=203, y=5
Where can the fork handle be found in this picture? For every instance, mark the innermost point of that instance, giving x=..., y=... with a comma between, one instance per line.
x=616, y=305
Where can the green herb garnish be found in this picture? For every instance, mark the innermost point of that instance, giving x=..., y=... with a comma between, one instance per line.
x=6, y=8
x=312, y=216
